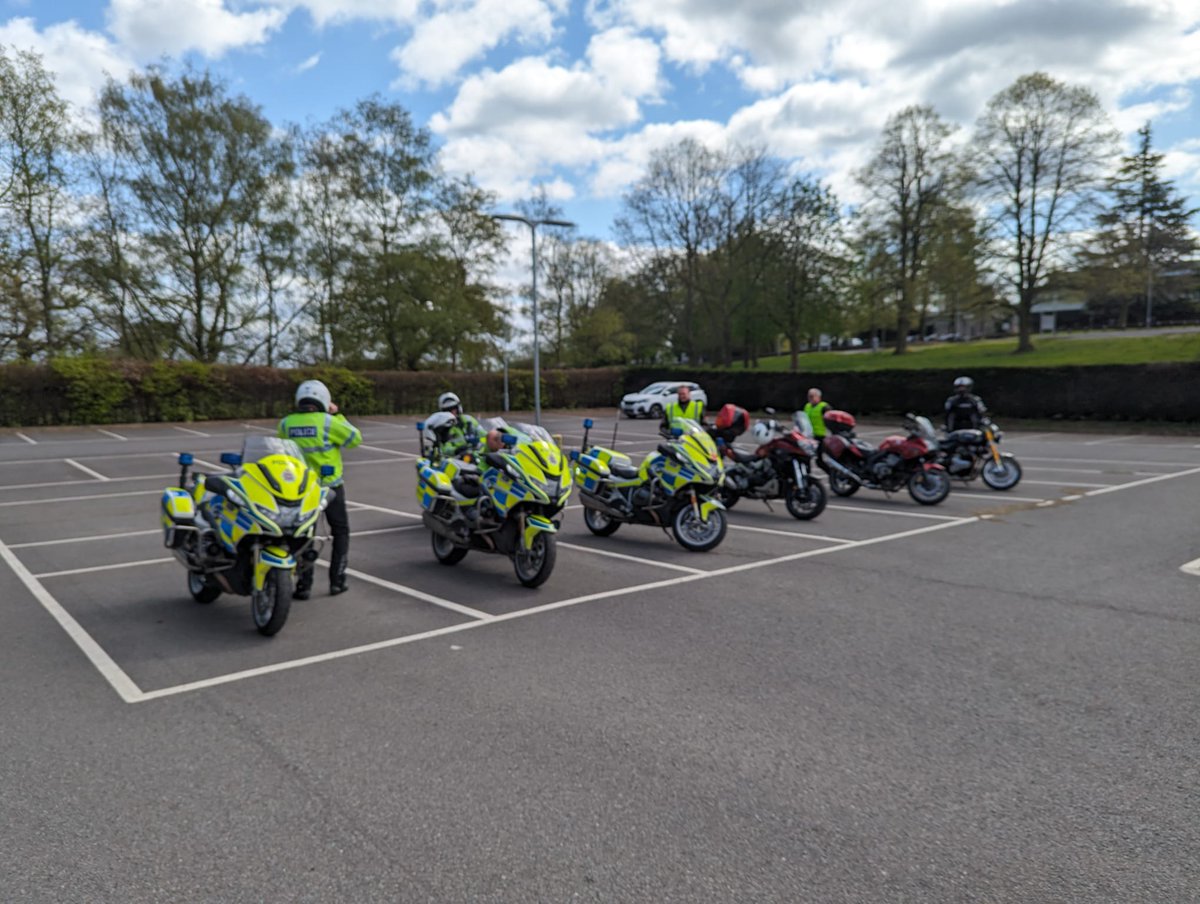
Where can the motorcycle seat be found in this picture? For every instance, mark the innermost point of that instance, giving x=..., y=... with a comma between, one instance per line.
x=622, y=471
x=967, y=437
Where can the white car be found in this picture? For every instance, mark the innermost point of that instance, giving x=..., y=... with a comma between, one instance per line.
x=653, y=400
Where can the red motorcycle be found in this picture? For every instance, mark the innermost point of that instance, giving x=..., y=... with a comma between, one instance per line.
x=779, y=468
x=900, y=461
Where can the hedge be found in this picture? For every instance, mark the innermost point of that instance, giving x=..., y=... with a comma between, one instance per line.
x=1160, y=392
x=102, y=391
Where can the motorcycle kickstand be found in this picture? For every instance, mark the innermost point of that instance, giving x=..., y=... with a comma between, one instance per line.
x=767, y=503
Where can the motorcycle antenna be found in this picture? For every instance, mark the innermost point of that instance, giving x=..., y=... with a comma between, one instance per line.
x=616, y=424
x=421, y=436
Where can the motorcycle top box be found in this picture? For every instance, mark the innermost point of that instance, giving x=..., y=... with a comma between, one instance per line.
x=839, y=423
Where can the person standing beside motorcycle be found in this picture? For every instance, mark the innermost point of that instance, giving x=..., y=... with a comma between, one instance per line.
x=683, y=407
x=321, y=433
x=465, y=434
x=815, y=410
x=964, y=410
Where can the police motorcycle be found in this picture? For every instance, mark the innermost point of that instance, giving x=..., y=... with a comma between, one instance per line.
x=780, y=467
x=243, y=532
x=512, y=507
x=674, y=488
x=972, y=453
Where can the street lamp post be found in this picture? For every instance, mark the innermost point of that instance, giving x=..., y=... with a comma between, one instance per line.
x=533, y=225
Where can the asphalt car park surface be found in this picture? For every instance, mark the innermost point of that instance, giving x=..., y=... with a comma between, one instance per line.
x=986, y=700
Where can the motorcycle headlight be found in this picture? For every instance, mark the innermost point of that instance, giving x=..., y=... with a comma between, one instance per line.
x=289, y=516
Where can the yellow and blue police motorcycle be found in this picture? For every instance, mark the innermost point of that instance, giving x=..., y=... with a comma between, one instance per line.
x=512, y=506
x=244, y=532
x=674, y=488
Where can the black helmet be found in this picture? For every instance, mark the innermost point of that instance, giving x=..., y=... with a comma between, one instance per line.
x=964, y=384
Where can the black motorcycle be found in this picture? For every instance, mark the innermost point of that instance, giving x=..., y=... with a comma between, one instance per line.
x=967, y=454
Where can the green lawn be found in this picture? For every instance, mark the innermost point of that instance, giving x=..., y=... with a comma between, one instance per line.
x=1048, y=352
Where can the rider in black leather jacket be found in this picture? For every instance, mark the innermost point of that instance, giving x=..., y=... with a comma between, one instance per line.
x=964, y=410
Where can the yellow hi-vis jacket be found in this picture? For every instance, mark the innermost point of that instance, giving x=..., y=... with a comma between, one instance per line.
x=321, y=437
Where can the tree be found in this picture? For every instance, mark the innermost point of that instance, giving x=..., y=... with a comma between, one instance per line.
x=36, y=148
x=1041, y=148
x=669, y=222
x=807, y=263
x=910, y=179
x=1145, y=230
x=199, y=166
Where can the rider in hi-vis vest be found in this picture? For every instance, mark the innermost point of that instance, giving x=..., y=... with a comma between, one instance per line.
x=685, y=407
x=321, y=433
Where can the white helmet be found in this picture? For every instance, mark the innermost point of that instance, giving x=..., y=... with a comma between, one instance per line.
x=314, y=391
x=438, y=425
x=763, y=431
x=448, y=400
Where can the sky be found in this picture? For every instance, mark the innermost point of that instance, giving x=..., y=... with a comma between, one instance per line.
x=575, y=96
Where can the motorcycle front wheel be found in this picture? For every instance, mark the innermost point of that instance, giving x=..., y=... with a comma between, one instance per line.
x=446, y=552
x=805, y=504
x=929, y=487
x=270, y=606
x=842, y=485
x=599, y=523
x=1003, y=476
x=203, y=588
x=694, y=534
x=534, y=565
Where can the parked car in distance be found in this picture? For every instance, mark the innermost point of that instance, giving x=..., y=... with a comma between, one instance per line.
x=653, y=400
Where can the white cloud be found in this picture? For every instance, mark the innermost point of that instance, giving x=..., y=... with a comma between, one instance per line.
x=152, y=28
x=462, y=30
x=338, y=12
x=310, y=63
x=78, y=58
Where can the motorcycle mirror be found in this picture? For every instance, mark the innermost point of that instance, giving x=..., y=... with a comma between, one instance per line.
x=185, y=459
x=328, y=470
x=508, y=439
x=232, y=459
x=587, y=423
x=420, y=425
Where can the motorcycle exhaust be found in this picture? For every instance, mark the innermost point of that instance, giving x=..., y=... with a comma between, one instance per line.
x=840, y=468
x=603, y=508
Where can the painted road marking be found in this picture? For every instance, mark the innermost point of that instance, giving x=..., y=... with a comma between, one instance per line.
x=628, y=558
x=1142, y=483
x=85, y=469
x=191, y=431
x=388, y=451
x=58, y=499
x=1111, y=439
x=417, y=594
x=882, y=511
x=109, y=433
x=113, y=674
x=1062, y=483
x=112, y=567
x=32, y=442
x=525, y=613
x=1192, y=567
x=789, y=533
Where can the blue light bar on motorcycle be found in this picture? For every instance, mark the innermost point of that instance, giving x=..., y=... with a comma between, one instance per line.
x=587, y=423
x=420, y=425
x=185, y=458
x=233, y=459
x=573, y=455
x=677, y=431
x=508, y=439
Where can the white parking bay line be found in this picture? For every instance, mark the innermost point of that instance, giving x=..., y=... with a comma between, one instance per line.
x=109, y=433
x=113, y=674
x=1110, y=439
x=1063, y=483
x=1067, y=470
x=379, y=508
x=997, y=495
x=883, y=511
x=1110, y=461
x=789, y=533
x=388, y=451
x=85, y=469
x=61, y=541
x=525, y=613
x=112, y=567
x=1142, y=483
x=32, y=442
x=620, y=555
x=1192, y=567
x=417, y=594
x=191, y=431
x=57, y=499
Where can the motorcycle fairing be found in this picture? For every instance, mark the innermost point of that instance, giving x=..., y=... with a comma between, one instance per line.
x=534, y=525
x=271, y=557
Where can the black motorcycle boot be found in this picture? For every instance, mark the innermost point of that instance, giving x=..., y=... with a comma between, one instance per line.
x=304, y=582
x=337, y=578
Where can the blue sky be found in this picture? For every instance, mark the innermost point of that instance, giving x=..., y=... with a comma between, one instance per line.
x=575, y=96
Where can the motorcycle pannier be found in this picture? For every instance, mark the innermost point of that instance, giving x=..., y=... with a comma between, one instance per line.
x=839, y=422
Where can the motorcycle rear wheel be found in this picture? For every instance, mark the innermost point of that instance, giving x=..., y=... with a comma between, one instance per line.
x=269, y=607
x=1004, y=476
x=806, y=504
x=446, y=552
x=203, y=588
x=599, y=523
x=696, y=535
x=842, y=485
x=929, y=487
x=534, y=565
